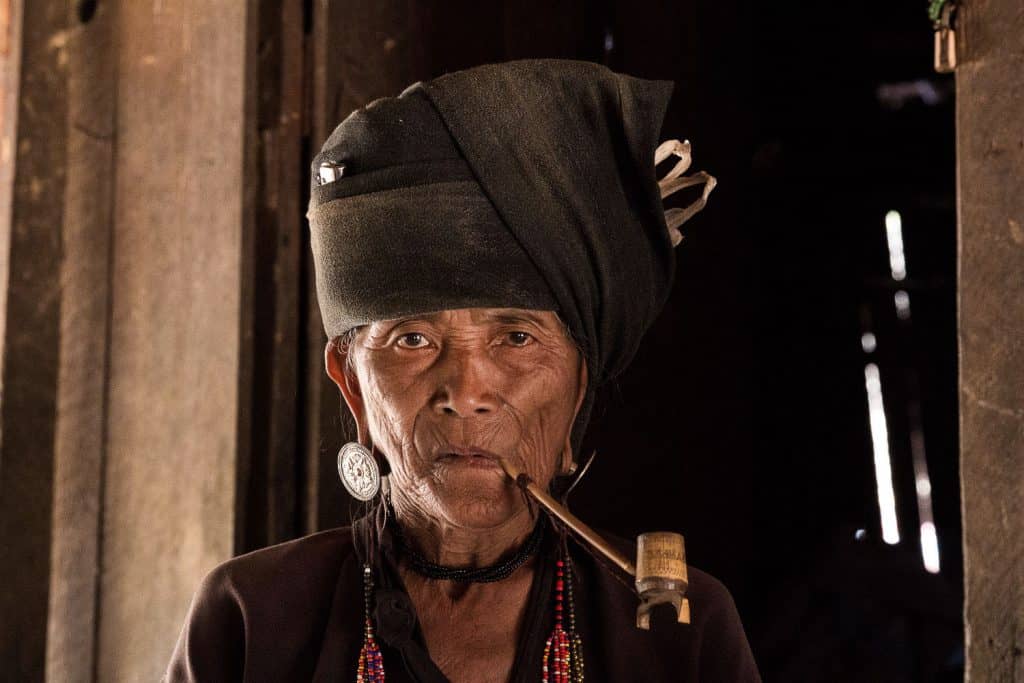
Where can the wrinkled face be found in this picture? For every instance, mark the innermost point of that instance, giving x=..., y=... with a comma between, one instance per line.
x=443, y=395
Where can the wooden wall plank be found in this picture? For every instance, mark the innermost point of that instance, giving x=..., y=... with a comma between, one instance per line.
x=32, y=230
x=287, y=206
x=84, y=350
x=990, y=151
x=10, y=68
x=272, y=509
x=177, y=321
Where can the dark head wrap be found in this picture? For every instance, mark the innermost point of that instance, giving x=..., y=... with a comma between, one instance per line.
x=527, y=184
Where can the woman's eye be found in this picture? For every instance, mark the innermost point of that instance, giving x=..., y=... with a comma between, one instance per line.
x=412, y=340
x=519, y=338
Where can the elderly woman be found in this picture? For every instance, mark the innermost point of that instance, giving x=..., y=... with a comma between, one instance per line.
x=490, y=247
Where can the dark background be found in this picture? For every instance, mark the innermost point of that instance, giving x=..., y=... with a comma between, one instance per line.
x=743, y=421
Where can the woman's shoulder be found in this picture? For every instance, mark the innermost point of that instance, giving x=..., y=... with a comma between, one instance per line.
x=261, y=610
x=302, y=560
x=711, y=593
x=295, y=577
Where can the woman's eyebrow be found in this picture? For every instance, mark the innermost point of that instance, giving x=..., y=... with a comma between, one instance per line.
x=503, y=317
x=425, y=317
x=513, y=318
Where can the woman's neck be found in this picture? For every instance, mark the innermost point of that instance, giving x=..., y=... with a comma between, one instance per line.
x=446, y=543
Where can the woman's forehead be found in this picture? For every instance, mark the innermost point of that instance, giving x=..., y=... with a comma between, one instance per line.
x=477, y=316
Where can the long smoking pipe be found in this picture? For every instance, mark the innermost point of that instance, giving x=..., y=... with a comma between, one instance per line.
x=545, y=500
x=661, y=556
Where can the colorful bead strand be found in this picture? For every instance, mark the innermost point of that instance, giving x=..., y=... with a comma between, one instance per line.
x=371, y=662
x=558, y=661
x=575, y=642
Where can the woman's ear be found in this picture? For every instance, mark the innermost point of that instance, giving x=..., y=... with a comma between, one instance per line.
x=568, y=461
x=338, y=369
x=583, y=379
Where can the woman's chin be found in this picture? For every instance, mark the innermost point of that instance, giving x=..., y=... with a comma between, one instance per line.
x=476, y=501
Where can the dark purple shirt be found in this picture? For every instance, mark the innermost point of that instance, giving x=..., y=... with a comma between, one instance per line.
x=294, y=612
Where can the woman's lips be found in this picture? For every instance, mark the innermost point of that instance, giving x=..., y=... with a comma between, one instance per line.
x=470, y=461
x=468, y=457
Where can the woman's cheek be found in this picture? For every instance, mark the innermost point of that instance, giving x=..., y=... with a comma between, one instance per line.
x=538, y=450
x=383, y=417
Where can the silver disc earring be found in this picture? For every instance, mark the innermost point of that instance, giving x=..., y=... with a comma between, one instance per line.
x=358, y=471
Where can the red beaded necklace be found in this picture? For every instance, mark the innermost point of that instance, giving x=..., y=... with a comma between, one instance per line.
x=563, y=650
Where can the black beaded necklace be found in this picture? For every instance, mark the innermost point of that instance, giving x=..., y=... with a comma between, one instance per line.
x=495, y=572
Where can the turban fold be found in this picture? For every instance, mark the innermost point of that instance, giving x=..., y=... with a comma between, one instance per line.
x=526, y=184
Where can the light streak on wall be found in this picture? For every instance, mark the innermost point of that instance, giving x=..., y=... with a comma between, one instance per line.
x=902, y=301
x=894, y=238
x=923, y=488
x=883, y=460
x=930, y=547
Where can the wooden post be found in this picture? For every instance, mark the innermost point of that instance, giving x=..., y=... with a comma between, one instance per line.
x=990, y=151
x=89, y=52
x=127, y=210
x=274, y=287
x=33, y=201
x=179, y=256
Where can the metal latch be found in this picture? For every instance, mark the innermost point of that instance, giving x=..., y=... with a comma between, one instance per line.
x=943, y=15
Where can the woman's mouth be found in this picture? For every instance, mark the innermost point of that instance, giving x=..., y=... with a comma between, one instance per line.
x=468, y=457
x=475, y=461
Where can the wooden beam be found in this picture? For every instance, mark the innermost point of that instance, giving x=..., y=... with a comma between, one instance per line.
x=151, y=251
x=90, y=53
x=175, y=421
x=990, y=151
x=31, y=227
x=275, y=286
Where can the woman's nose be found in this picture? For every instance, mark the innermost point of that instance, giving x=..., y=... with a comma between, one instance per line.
x=466, y=386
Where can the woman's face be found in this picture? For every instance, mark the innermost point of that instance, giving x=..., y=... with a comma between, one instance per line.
x=443, y=395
